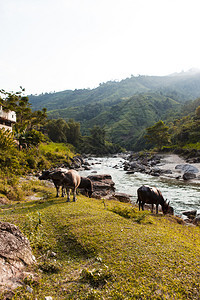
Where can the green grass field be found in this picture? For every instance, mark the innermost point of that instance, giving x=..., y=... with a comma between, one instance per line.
x=94, y=249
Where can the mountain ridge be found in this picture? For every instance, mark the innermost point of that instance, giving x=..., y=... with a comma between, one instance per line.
x=115, y=105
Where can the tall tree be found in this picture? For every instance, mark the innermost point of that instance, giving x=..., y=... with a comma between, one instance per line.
x=73, y=132
x=57, y=130
x=158, y=134
x=98, y=135
x=26, y=119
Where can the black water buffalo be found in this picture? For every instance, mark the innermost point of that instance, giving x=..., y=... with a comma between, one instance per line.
x=68, y=180
x=86, y=184
x=152, y=195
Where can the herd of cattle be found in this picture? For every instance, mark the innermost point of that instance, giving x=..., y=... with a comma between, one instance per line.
x=71, y=180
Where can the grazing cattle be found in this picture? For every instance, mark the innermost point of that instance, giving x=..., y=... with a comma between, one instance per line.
x=68, y=180
x=152, y=195
x=57, y=178
x=86, y=184
x=71, y=181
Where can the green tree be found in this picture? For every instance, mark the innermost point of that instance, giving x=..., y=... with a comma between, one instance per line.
x=98, y=136
x=6, y=140
x=64, y=132
x=73, y=132
x=26, y=119
x=158, y=134
x=197, y=112
x=57, y=130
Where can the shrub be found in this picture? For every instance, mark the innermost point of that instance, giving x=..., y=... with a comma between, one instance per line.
x=6, y=139
x=130, y=213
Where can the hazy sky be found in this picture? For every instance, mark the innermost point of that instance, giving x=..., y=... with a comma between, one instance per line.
x=54, y=45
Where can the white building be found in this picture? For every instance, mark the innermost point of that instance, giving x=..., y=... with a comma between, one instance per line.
x=7, y=119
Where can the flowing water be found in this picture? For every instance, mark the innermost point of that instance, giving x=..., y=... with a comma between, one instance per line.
x=182, y=196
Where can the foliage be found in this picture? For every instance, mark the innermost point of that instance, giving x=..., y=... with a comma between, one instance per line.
x=26, y=119
x=12, y=161
x=6, y=140
x=180, y=88
x=130, y=213
x=186, y=130
x=73, y=132
x=96, y=143
x=34, y=159
x=98, y=136
x=32, y=138
x=57, y=153
x=158, y=134
x=60, y=131
x=123, y=108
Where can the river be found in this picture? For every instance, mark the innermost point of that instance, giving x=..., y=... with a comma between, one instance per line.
x=182, y=196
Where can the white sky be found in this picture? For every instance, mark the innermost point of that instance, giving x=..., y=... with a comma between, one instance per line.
x=54, y=45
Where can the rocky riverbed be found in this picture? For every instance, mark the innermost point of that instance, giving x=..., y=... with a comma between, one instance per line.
x=130, y=171
x=169, y=166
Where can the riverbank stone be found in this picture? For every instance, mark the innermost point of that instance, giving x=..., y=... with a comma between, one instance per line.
x=15, y=255
x=188, y=176
x=190, y=214
x=186, y=168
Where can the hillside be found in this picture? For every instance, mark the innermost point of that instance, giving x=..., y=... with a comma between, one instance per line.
x=103, y=250
x=125, y=108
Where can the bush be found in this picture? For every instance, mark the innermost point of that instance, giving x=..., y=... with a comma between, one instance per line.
x=6, y=139
x=130, y=213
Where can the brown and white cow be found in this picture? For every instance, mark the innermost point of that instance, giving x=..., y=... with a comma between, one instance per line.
x=67, y=180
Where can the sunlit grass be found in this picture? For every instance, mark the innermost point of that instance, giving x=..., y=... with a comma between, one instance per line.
x=66, y=149
x=94, y=249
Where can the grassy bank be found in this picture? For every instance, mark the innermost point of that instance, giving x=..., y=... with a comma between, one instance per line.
x=95, y=249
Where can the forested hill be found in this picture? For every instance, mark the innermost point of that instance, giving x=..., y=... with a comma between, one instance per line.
x=124, y=108
x=180, y=87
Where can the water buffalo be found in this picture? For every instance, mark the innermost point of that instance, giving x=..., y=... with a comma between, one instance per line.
x=86, y=184
x=152, y=195
x=57, y=178
x=68, y=180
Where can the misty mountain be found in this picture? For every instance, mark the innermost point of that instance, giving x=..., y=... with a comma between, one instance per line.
x=179, y=86
x=124, y=108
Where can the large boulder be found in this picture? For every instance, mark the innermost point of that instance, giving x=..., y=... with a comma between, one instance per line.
x=103, y=186
x=122, y=197
x=186, y=168
x=15, y=255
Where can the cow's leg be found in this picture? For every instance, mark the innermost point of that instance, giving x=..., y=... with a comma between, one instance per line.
x=57, y=189
x=63, y=191
x=142, y=205
x=157, y=208
x=152, y=208
x=139, y=203
x=74, y=195
x=68, y=195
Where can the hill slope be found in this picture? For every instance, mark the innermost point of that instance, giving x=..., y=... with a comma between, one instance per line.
x=181, y=87
x=125, y=108
x=95, y=250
